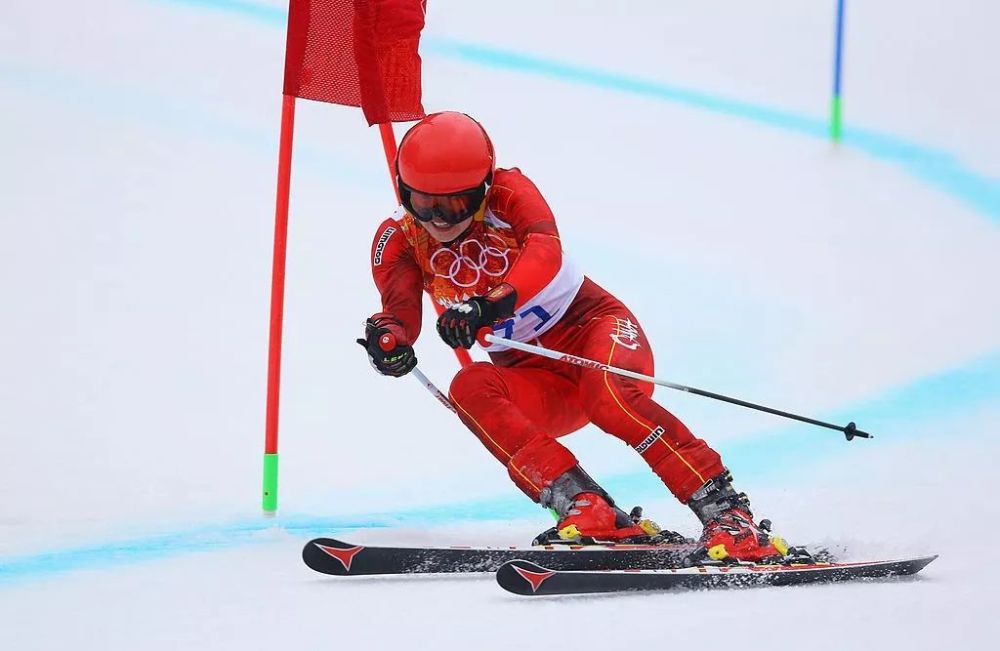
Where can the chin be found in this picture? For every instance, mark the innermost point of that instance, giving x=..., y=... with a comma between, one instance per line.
x=447, y=234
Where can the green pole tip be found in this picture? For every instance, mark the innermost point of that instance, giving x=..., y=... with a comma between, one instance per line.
x=270, y=499
x=836, y=119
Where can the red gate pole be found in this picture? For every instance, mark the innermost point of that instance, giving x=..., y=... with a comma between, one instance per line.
x=389, y=146
x=270, y=497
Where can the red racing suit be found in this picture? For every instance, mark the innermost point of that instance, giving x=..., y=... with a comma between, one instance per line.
x=520, y=404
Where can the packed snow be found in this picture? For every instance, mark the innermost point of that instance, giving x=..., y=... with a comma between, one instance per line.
x=851, y=282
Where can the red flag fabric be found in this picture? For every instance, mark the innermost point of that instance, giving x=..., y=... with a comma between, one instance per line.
x=359, y=53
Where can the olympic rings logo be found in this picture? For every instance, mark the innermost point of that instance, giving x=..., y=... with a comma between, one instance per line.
x=472, y=260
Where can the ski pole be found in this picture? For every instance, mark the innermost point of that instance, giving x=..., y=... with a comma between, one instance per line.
x=443, y=399
x=387, y=341
x=486, y=337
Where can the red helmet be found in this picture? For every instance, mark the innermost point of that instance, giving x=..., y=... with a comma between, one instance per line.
x=447, y=160
x=445, y=153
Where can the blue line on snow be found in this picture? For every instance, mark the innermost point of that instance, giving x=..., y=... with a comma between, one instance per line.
x=936, y=168
x=205, y=539
x=255, y=10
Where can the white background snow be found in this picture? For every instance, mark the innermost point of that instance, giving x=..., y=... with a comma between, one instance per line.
x=138, y=150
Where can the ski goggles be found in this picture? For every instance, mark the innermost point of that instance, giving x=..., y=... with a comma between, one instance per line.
x=450, y=208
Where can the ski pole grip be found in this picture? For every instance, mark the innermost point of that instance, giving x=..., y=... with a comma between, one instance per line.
x=387, y=341
x=481, y=336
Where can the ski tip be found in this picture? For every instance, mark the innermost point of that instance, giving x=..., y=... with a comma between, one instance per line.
x=523, y=577
x=906, y=566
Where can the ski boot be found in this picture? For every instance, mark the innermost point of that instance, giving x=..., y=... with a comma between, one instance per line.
x=588, y=515
x=730, y=533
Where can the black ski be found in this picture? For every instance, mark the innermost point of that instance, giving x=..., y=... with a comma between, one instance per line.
x=527, y=578
x=331, y=556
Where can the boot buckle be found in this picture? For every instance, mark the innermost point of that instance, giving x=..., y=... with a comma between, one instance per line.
x=570, y=532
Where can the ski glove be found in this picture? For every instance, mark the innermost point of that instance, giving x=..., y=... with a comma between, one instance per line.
x=459, y=324
x=385, y=341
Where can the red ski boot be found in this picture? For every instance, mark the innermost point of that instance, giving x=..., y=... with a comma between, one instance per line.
x=592, y=518
x=734, y=535
x=588, y=515
x=730, y=532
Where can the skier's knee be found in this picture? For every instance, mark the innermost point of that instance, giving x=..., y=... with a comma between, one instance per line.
x=477, y=378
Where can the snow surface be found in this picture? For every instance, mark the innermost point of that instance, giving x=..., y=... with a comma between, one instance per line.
x=139, y=143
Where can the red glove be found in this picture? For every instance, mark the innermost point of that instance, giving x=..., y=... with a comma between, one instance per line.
x=385, y=341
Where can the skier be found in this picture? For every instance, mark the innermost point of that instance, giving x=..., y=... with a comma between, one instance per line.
x=483, y=243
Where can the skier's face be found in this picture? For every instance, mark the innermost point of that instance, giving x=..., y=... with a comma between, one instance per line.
x=437, y=213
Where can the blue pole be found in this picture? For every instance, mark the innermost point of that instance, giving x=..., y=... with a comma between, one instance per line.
x=836, y=105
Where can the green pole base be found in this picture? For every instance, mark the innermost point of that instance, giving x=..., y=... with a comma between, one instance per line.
x=270, y=501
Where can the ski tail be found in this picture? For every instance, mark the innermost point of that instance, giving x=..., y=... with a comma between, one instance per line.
x=331, y=556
